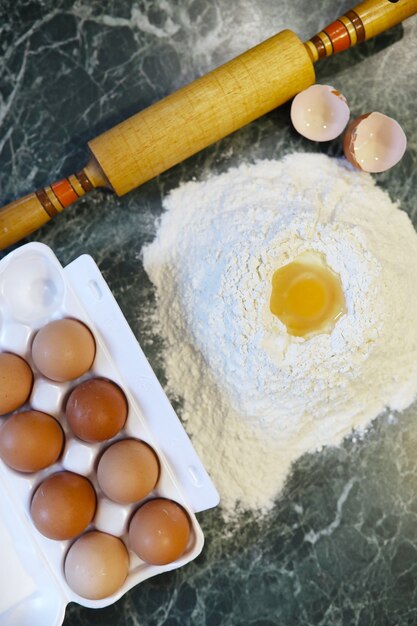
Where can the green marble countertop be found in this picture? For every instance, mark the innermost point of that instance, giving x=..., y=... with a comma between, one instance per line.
x=340, y=547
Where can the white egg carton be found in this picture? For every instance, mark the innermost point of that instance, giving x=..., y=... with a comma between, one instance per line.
x=35, y=289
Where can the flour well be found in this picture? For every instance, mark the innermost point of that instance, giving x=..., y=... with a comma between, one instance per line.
x=256, y=398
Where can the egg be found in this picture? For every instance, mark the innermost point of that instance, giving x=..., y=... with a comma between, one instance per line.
x=16, y=380
x=320, y=113
x=374, y=142
x=63, y=350
x=96, y=410
x=96, y=565
x=30, y=441
x=159, y=531
x=307, y=296
x=63, y=505
x=128, y=471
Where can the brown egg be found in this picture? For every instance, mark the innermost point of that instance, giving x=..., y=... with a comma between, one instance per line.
x=16, y=380
x=159, y=531
x=63, y=506
x=96, y=565
x=31, y=441
x=128, y=471
x=96, y=410
x=63, y=350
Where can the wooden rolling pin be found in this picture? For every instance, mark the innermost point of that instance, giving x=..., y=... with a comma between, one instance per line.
x=200, y=113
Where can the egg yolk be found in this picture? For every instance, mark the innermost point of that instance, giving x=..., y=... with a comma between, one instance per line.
x=307, y=297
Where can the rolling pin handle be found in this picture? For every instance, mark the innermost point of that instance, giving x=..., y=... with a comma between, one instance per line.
x=22, y=217
x=361, y=23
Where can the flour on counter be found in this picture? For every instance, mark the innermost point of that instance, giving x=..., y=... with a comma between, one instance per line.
x=256, y=398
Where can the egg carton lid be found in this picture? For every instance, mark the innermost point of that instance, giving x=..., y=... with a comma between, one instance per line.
x=29, y=591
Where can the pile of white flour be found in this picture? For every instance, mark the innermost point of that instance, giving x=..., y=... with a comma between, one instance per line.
x=254, y=397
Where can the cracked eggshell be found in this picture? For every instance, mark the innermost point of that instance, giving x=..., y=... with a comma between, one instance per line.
x=374, y=142
x=320, y=113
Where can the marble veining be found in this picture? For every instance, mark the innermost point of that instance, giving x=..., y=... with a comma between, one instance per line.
x=340, y=546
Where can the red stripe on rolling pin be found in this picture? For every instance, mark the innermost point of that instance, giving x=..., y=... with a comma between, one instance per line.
x=338, y=35
x=64, y=192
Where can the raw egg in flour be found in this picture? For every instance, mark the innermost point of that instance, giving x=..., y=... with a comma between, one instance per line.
x=63, y=506
x=96, y=410
x=16, y=381
x=159, y=531
x=96, y=565
x=30, y=441
x=307, y=296
x=63, y=350
x=128, y=471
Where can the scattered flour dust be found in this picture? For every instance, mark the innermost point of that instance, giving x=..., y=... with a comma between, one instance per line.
x=255, y=398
